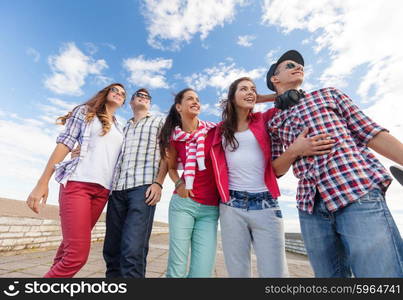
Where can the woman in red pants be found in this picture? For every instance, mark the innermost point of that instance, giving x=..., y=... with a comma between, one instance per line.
x=84, y=180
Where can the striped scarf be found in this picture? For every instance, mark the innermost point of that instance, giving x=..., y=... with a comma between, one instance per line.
x=194, y=146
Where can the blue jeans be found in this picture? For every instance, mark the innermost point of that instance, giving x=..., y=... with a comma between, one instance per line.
x=253, y=219
x=192, y=225
x=360, y=239
x=129, y=223
x=253, y=201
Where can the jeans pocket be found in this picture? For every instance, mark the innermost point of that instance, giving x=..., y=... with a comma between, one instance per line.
x=374, y=195
x=278, y=213
x=270, y=203
x=176, y=202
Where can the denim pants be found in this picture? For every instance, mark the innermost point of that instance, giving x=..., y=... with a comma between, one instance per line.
x=192, y=226
x=253, y=219
x=360, y=239
x=129, y=223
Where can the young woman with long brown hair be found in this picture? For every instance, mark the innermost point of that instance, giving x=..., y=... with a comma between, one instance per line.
x=85, y=180
x=246, y=179
x=193, y=209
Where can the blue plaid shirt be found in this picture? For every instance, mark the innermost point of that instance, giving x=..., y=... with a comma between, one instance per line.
x=77, y=130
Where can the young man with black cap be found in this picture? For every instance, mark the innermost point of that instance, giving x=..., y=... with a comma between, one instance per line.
x=345, y=223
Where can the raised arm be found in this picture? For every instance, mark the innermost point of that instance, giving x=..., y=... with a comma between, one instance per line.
x=265, y=98
x=387, y=145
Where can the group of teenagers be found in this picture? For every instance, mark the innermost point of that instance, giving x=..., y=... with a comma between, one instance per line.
x=230, y=173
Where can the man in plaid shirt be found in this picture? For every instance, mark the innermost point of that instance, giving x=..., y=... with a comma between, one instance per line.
x=136, y=189
x=345, y=223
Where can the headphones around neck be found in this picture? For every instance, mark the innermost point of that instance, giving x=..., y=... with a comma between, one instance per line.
x=288, y=99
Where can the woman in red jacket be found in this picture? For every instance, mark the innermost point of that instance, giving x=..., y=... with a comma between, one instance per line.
x=246, y=180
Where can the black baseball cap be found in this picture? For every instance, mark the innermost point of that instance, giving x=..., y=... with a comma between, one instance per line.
x=293, y=55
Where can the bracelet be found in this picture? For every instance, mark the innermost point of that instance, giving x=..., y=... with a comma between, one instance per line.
x=178, y=183
x=156, y=182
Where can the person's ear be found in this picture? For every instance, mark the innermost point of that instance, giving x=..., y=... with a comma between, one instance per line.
x=274, y=79
x=178, y=107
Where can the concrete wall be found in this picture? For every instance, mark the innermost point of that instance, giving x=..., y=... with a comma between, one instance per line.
x=20, y=228
x=17, y=233
x=294, y=243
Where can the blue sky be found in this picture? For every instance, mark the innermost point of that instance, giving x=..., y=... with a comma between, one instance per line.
x=57, y=54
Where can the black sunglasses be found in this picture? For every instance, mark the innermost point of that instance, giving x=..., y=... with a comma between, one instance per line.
x=292, y=66
x=116, y=91
x=142, y=95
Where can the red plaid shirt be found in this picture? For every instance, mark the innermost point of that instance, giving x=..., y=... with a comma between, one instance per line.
x=350, y=170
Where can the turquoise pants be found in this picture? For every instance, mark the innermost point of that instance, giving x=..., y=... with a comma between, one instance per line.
x=192, y=226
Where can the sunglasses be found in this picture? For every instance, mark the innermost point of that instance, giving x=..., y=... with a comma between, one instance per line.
x=116, y=91
x=292, y=66
x=142, y=95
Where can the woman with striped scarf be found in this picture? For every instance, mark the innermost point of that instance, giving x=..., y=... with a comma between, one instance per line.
x=193, y=211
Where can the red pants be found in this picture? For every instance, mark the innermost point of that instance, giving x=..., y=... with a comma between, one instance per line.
x=80, y=205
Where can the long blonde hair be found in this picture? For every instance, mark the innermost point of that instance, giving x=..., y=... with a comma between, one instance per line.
x=96, y=107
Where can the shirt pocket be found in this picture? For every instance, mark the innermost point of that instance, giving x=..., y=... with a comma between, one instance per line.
x=322, y=116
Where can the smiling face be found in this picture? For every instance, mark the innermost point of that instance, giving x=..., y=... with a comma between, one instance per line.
x=190, y=104
x=116, y=95
x=288, y=74
x=245, y=95
x=140, y=100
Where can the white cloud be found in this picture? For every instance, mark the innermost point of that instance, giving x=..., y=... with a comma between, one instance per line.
x=147, y=73
x=62, y=104
x=91, y=48
x=54, y=109
x=70, y=69
x=270, y=56
x=246, y=40
x=156, y=111
x=221, y=76
x=26, y=145
x=261, y=107
x=369, y=42
x=34, y=53
x=211, y=109
x=103, y=80
x=172, y=22
x=110, y=46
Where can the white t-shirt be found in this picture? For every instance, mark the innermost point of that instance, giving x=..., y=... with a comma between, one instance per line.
x=98, y=164
x=246, y=164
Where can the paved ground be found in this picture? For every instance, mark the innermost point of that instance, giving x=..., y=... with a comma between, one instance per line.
x=35, y=263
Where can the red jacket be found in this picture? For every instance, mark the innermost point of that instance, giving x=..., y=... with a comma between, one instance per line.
x=258, y=126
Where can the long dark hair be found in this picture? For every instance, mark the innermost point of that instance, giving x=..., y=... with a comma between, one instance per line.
x=229, y=116
x=172, y=120
x=96, y=107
